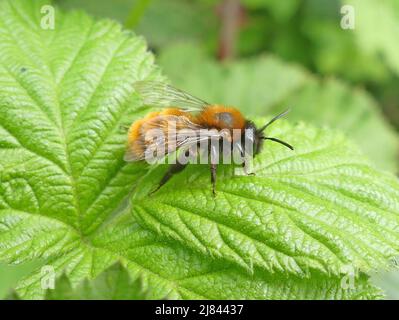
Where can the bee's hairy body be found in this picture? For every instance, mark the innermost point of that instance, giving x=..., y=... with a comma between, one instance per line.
x=190, y=113
x=217, y=117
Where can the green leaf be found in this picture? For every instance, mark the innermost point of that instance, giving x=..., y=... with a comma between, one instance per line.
x=169, y=270
x=266, y=85
x=62, y=108
x=64, y=96
x=319, y=208
x=66, y=93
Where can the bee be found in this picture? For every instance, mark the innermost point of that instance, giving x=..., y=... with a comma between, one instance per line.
x=189, y=114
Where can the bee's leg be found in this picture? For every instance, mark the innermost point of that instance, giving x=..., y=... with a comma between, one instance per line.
x=173, y=169
x=245, y=166
x=213, y=178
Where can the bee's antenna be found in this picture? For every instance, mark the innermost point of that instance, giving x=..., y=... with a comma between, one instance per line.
x=280, y=141
x=274, y=119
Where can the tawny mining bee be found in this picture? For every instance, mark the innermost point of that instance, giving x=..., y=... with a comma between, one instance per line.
x=185, y=125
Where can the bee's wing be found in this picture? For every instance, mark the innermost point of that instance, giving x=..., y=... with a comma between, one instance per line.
x=165, y=134
x=162, y=95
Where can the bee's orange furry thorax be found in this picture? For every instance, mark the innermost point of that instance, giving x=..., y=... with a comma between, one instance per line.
x=210, y=117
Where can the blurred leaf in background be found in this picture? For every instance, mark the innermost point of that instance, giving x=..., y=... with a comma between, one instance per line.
x=114, y=283
x=160, y=22
x=252, y=84
x=332, y=47
x=10, y=275
x=377, y=29
x=281, y=10
x=307, y=32
x=312, y=36
x=377, y=34
x=389, y=281
x=115, y=9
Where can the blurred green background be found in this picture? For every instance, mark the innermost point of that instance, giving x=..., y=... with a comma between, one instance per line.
x=265, y=55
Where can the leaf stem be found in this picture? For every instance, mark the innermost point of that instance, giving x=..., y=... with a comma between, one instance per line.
x=137, y=13
x=231, y=15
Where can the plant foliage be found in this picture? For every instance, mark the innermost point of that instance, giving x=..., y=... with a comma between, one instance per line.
x=68, y=200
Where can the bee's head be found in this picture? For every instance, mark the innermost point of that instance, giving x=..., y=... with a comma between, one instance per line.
x=257, y=136
x=252, y=136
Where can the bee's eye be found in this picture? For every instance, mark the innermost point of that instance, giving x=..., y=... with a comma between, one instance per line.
x=225, y=117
